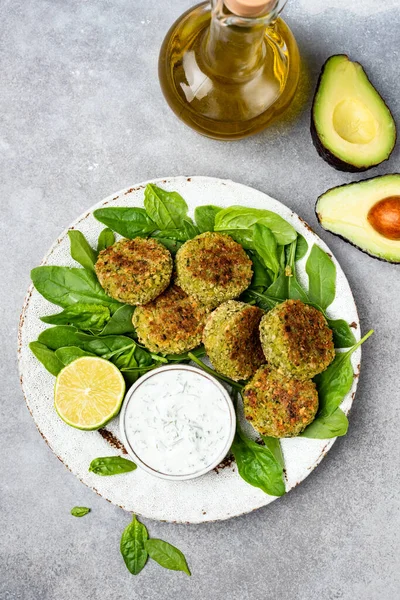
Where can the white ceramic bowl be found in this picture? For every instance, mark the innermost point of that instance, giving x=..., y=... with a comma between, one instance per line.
x=129, y=442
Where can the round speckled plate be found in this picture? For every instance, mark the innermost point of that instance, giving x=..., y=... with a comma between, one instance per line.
x=220, y=494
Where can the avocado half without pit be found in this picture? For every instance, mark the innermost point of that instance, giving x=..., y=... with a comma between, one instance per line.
x=351, y=126
x=366, y=214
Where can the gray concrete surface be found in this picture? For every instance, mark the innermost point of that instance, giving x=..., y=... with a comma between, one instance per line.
x=81, y=116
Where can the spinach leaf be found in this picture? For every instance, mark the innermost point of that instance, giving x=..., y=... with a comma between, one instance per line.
x=261, y=278
x=79, y=511
x=67, y=335
x=171, y=245
x=68, y=285
x=128, y=221
x=261, y=299
x=279, y=289
x=70, y=353
x=335, y=382
x=120, y=322
x=191, y=231
x=244, y=237
x=321, y=273
x=343, y=337
x=59, y=337
x=205, y=217
x=47, y=357
x=178, y=235
x=81, y=251
x=274, y=446
x=167, y=555
x=323, y=428
x=167, y=209
x=106, y=239
x=132, y=546
x=257, y=465
x=301, y=247
x=111, y=465
x=241, y=217
x=83, y=316
x=265, y=245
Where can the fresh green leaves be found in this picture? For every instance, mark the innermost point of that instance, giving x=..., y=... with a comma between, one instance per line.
x=167, y=209
x=111, y=465
x=243, y=218
x=301, y=247
x=68, y=285
x=265, y=244
x=333, y=384
x=120, y=322
x=70, y=353
x=205, y=217
x=79, y=511
x=47, y=357
x=106, y=239
x=343, y=336
x=81, y=251
x=321, y=273
x=167, y=555
x=136, y=547
x=130, y=222
x=258, y=465
x=274, y=446
x=84, y=316
x=133, y=546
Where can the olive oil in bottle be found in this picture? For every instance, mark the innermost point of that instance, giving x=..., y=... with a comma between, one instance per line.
x=228, y=68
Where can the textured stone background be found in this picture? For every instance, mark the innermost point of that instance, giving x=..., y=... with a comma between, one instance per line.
x=81, y=116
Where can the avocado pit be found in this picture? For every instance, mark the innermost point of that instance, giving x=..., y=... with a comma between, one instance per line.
x=384, y=217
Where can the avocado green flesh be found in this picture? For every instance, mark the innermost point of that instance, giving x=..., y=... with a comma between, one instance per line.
x=344, y=211
x=350, y=118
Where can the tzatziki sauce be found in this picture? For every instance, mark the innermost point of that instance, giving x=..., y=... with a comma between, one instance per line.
x=178, y=421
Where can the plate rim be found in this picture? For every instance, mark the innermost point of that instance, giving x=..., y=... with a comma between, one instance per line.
x=89, y=212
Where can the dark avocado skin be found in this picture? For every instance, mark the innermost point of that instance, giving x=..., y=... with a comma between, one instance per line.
x=338, y=234
x=324, y=153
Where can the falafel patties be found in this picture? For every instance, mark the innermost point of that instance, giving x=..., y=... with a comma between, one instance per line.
x=173, y=323
x=296, y=339
x=134, y=271
x=231, y=339
x=213, y=268
x=277, y=405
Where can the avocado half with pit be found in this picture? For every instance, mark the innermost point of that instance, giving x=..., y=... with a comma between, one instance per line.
x=351, y=126
x=366, y=214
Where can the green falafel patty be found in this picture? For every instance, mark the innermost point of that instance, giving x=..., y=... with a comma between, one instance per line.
x=277, y=405
x=231, y=339
x=173, y=323
x=134, y=271
x=296, y=339
x=213, y=268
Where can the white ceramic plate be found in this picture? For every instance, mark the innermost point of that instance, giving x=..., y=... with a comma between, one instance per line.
x=217, y=495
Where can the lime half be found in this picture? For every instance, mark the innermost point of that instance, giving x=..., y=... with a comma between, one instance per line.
x=89, y=392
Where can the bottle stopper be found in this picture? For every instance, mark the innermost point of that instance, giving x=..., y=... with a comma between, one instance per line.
x=250, y=8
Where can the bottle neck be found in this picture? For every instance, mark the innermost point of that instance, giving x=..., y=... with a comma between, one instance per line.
x=234, y=51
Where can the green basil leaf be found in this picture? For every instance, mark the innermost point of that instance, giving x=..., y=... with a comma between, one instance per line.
x=81, y=251
x=301, y=247
x=343, y=336
x=129, y=222
x=324, y=428
x=132, y=546
x=258, y=466
x=167, y=555
x=205, y=217
x=120, y=322
x=321, y=273
x=265, y=245
x=240, y=217
x=47, y=357
x=68, y=285
x=335, y=382
x=68, y=354
x=83, y=316
x=79, y=511
x=106, y=239
x=111, y=465
x=167, y=209
x=274, y=446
